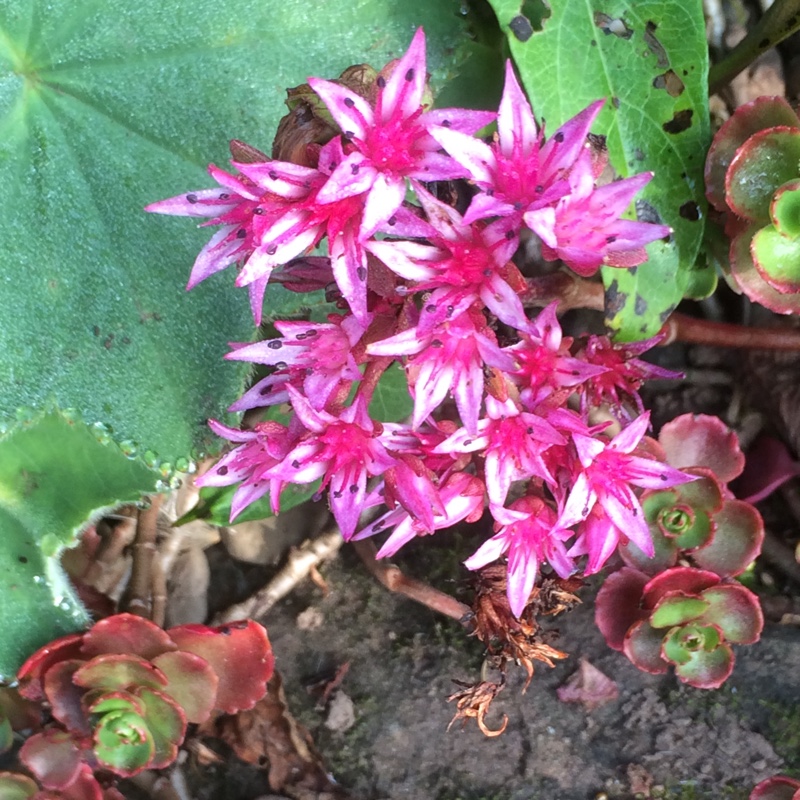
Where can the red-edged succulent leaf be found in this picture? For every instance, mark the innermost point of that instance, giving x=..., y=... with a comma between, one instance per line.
x=735, y=610
x=112, y=672
x=707, y=669
x=777, y=259
x=167, y=725
x=737, y=541
x=191, y=683
x=665, y=553
x=777, y=788
x=239, y=653
x=14, y=786
x=65, y=697
x=785, y=209
x=763, y=112
x=53, y=758
x=769, y=466
x=85, y=787
x=700, y=440
x=767, y=160
x=643, y=647
x=33, y=670
x=617, y=605
x=677, y=608
x=126, y=634
x=749, y=280
x=678, y=579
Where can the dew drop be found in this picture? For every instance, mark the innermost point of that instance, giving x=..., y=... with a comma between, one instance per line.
x=182, y=464
x=129, y=448
x=151, y=459
x=38, y=579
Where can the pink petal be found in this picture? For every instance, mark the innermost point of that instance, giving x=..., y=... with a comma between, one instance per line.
x=404, y=88
x=353, y=114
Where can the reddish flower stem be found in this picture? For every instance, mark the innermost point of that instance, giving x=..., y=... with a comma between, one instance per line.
x=573, y=292
x=394, y=580
x=682, y=328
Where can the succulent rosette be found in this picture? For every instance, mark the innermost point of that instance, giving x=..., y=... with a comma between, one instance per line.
x=15, y=786
x=699, y=522
x=122, y=694
x=753, y=174
x=684, y=617
x=777, y=788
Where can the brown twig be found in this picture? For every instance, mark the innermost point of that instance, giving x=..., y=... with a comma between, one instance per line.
x=395, y=581
x=682, y=328
x=298, y=565
x=569, y=290
x=137, y=598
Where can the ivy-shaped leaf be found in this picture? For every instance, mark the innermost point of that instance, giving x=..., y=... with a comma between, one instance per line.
x=54, y=475
x=649, y=59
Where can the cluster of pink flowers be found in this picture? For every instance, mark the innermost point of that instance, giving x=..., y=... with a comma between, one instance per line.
x=421, y=284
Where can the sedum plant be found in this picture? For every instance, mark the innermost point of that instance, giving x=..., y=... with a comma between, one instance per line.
x=424, y=285
x=753, y=177
x=122, y=694
x=679, y=607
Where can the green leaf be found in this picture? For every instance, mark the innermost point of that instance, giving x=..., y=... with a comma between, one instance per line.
x=54, y=475
x=106, y=106
x=649, y=58
x=214, y=504
x=391, y=401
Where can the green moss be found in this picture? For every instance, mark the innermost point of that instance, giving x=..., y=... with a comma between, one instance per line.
x=783, y=732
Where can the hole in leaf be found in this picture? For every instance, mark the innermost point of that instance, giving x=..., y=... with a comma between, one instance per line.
x=612, y=25
x=671, y=82
x=681, y=121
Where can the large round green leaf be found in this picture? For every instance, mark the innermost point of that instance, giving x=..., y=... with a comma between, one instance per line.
x=106, y=106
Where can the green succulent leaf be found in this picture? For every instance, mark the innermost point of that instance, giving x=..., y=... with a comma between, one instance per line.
x=650, y=60
x=166, y=724
x=766, y=161
x=16, y=787
x=123, y=743
x=707, y=669
x=736, y=611
x=785, y=209
x=777, y=258
x=108, y=106
x=676, y=610
x=54, y=475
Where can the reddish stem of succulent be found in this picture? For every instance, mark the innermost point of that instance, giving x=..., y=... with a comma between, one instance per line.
x=137, y=599
x=682, y=328
x=394, y=580
x=572, y=292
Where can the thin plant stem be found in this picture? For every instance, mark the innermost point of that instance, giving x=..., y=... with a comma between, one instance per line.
x=394, y=580
x=137, y=599
x=780, y=20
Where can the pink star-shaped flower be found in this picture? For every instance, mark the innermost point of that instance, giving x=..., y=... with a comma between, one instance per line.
x=519, y=171
x=606, y=472
x=528, y=532
x=343, y=450
x=390, y=142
